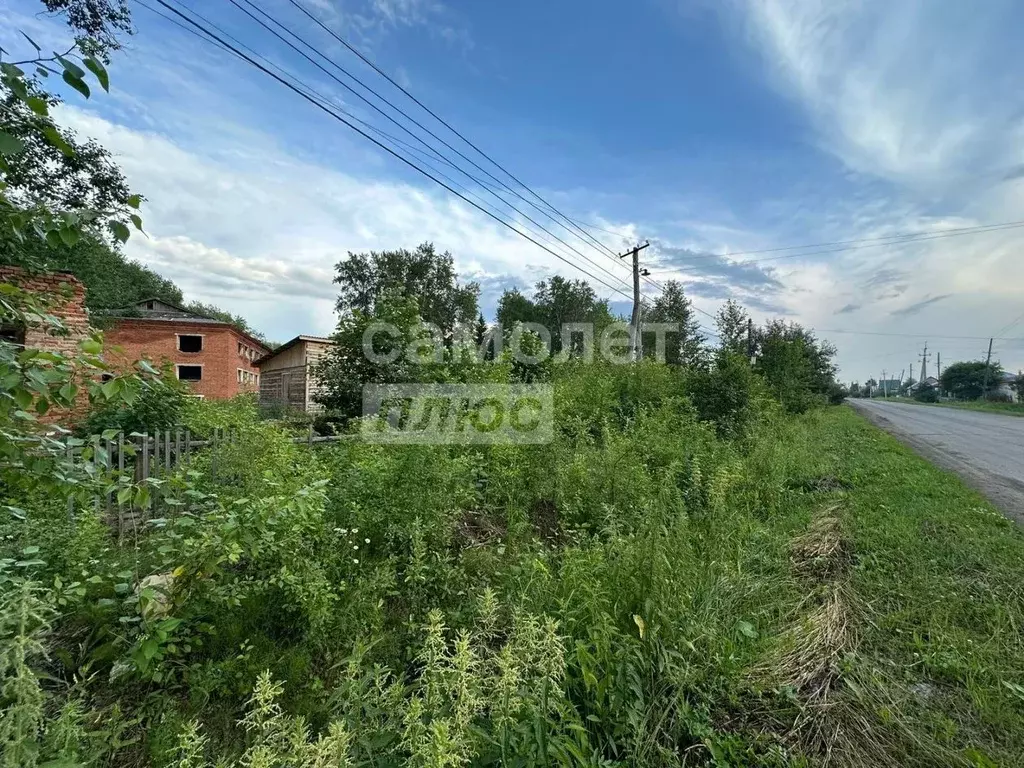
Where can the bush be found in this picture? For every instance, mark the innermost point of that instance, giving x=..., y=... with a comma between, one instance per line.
x=160, y=404
x=927, y=393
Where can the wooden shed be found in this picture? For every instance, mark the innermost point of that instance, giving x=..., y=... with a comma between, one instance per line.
x=286, y=374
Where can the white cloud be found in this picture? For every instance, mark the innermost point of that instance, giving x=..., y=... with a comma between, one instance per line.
x=911, y=92
x=260, y=230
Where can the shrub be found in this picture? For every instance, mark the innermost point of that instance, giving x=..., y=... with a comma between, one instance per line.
x=927, y=393
x=160, y=404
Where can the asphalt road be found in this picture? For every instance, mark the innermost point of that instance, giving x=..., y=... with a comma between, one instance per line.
x=985, y=449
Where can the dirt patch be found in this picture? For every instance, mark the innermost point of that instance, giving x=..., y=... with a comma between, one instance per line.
x=544, y=517
x=478, y=529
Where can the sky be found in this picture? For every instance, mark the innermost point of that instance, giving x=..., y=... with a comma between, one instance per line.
x=707, y=128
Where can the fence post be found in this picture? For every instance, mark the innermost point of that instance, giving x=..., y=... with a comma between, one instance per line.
x=156, y=452
x=188, y=443
x=69, y=453
x=309, y=435
x=120, y=475
x=167, y=450
x=145, y=457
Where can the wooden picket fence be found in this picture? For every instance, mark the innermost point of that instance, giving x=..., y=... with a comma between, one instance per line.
x=144, y=456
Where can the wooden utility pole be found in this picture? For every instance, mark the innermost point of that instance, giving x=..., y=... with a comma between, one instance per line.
x=924, y=362
x=750, y=340
x=885, y=384
x=938, y=370
x=635, y=337
x=988, y=369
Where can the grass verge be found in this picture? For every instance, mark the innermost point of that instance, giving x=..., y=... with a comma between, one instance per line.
x=909, y=650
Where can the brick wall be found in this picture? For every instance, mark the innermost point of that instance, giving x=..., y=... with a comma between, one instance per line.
x=64, y=297
x=131, y=339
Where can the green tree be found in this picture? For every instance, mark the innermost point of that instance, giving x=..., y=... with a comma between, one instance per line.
x=1018, y=387
x=966, y=380
x=424, y=275
x=797, y=367
x=683, y=347
x=111, y=280
x=346, y=369
x=555, y=303
x=731, y=322
x=96, y=23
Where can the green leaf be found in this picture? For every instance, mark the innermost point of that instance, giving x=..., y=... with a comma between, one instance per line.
x=53, y=136
x=53, y=238
x=134, y=201
x=97, y=69
x=137, y=221
x=120, y=231
x=30, y=551
x=23, y=398
x=111, y=388
x=42, y=406
x=68, y=392
x=10, y=145
x=77, y=83
x=91, y=346
x=69, y=235
x=11, y=71
x=70, y=66
x=31, y=42
x=38, y=105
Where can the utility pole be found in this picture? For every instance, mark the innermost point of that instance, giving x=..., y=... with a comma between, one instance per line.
x=750, y=340
x=885, y=384
x=924, y=362
x=988, y=369
x=635, y=337
x=938, y=370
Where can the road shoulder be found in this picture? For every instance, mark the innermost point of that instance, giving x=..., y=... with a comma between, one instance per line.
x=1003, y=492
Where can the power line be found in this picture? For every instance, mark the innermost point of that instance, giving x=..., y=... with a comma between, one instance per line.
x=391, y=119
x=312, y=91
x=416, y=122
x=939, y=236
x=871, y=239
x=447, y=125
x=1008, y=326
x=912, y=335
x=379, y=144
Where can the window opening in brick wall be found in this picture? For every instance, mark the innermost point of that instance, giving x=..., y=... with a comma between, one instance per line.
x=188, y=343
x=13, y=334
x=190, y=372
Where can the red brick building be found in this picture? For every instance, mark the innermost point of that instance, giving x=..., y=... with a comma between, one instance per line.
x=215, y=358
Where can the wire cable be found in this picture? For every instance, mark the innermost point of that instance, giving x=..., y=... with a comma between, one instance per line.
x=937, y=236
x=379, y=144
x=391, y=119
x=447, y=125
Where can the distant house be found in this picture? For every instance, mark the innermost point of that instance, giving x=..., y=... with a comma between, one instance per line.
x=286, y=374
x=1005, y=385
x=931, y=381
x=887, y=387
x=215, y=358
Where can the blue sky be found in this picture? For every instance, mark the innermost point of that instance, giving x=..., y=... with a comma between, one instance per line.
x=707, y=128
